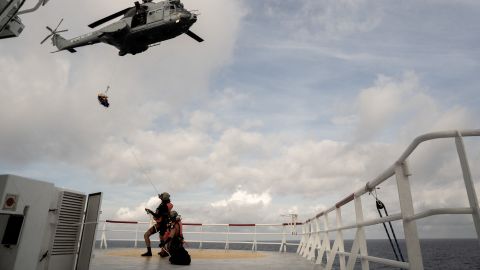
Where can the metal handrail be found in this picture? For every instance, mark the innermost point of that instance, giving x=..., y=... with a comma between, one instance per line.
x=314, y=239
x=315, y=242
x=227, y=241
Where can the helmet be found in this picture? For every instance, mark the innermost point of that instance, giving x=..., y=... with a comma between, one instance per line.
x=174, y=215
x=164, y=196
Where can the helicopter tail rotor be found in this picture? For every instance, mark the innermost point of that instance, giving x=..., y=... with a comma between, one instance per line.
x=54, y=32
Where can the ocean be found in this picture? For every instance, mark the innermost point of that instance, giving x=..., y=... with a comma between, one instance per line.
x=444, y=254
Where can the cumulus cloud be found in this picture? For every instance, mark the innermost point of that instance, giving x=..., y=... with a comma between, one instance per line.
x=339, y=18
x=239, y=207
x=241, y=198
x=172, y=110
x=402, y=106
x=55, y=94
x=138, y=212
x=326, y=19
x=378, y=106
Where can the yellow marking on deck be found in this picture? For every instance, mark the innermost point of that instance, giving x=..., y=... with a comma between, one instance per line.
x=194, y=253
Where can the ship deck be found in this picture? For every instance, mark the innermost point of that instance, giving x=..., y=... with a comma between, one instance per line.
x=129, y=259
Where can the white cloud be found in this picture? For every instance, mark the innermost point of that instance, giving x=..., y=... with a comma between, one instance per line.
x=402, y=107
x=184, y=158
x=228, y=98
x=205, y=121
x=137, y=213
x=339, y=18
x=345, y=120
x=380, y=105
x=48, y=111
x=330, y=19
x=55, y=95
x=241, y=198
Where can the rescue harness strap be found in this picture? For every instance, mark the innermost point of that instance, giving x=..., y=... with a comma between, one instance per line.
x=379, y=204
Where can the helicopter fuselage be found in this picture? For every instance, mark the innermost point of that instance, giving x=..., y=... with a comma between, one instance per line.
x=140, y=27
x=138, y=38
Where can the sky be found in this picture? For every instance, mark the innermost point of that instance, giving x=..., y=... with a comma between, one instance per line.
x=287, y=107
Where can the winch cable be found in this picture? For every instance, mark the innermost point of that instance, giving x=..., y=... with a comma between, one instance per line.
x=114, y=71
x=112, y=77
x=379, y=204
x=142, y=169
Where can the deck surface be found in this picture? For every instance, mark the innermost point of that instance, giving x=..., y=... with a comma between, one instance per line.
x=129, y=259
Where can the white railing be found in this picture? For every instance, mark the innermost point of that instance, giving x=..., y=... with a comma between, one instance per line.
x=315, y=242
x=223, y=232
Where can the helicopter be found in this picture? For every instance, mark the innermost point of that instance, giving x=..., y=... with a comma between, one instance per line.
x=142, y=26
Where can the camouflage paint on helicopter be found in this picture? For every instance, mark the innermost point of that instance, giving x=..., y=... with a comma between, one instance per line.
x=141, y=26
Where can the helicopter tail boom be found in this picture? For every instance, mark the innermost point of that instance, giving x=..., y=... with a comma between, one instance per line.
x=61, y=43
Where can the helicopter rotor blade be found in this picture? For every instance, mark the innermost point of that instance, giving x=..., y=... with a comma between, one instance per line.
x=54, y=32
x=108, y=18
x=194, y=36
x=58, y=25
x=43, y=41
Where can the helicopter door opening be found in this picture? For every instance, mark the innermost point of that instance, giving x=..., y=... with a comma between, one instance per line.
x=140, y=18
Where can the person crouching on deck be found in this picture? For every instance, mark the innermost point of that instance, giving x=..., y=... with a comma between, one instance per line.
x=161, y=216
x=174, y=241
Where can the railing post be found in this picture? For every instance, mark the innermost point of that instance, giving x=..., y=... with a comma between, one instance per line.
x=362, y=240
x=467, y=178
x=318, y=238
x=201, y=237
x=304, y=238
x=315, y=239
x=307, y=247
x=103, y=240
x=409, y=227
x=341, y=246
x=326, y=236
x=227, y=247
x=322, y=246
x=302, y=241
x=284, y=240
x=136, y=234
x=254, y=244
x=325, y=243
